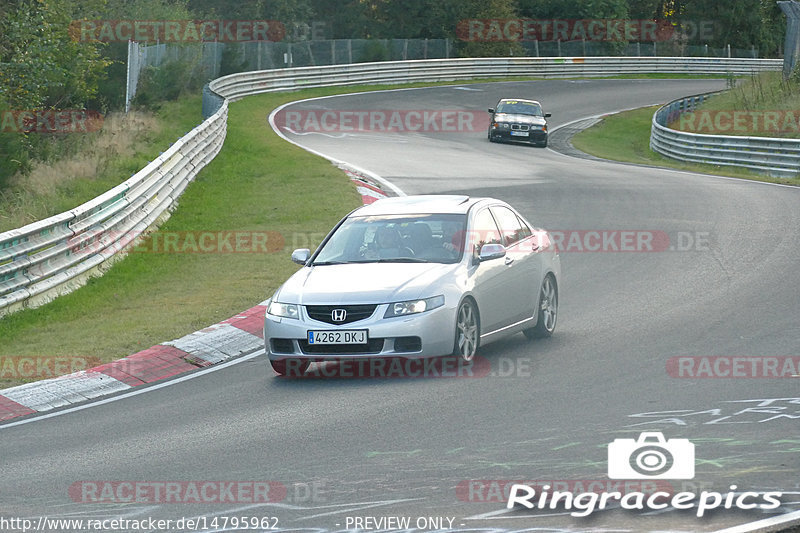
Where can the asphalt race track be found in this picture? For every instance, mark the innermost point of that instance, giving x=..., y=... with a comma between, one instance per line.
x=725, y=284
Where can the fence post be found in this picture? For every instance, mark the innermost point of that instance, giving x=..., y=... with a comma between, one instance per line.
x=128, y=76
x=536, y=46
x=792, y=43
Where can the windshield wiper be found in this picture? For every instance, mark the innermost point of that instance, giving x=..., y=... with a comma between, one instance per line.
x=402, y=260
x=323, y=263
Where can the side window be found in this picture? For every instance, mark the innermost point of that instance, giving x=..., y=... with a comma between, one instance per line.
x=484, y=231
x=513, y=229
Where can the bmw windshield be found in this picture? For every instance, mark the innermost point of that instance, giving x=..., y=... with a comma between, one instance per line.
x=519, y=108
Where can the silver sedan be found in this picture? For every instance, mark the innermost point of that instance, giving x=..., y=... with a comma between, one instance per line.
x=415, y=277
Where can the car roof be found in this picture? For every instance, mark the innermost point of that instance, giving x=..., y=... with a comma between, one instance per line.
x=419, y=204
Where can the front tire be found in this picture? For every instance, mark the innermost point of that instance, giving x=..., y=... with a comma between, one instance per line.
x=290, y=367
x=467, y=331
x=547, y=310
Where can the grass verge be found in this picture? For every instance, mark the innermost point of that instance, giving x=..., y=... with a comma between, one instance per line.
x=123, y=147
x=766, y=105
x=626, y=137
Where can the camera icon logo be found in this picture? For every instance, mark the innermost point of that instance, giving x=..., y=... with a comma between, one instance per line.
x=651, y=457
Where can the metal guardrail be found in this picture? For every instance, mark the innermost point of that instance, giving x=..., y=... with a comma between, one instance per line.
x=43, y=260
x=774, y=156
x=235, y=86
x=56, y=255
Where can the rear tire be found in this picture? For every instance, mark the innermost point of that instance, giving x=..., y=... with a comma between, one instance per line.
x=290, y=367
x=547, y=310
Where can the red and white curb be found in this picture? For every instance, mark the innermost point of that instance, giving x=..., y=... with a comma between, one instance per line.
x=239, y=335
x=369, y=192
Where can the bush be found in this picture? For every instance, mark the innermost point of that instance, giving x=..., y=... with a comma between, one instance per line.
x=166, y=83
x=374, y=50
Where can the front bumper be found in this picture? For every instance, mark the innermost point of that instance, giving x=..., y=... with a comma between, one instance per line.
x=533, y=135
x=427, y=334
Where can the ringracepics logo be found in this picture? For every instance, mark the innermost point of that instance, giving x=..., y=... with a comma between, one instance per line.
x=651, y=456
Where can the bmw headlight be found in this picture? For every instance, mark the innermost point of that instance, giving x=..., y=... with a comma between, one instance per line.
x=412, y=307
x=284, y=310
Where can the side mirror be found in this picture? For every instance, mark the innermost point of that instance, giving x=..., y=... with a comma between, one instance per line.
x=490, y=110
x=491, y=251
x=301, y=255
x=547, y=115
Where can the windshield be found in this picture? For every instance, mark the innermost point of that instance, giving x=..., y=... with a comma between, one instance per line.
x=519, y=108
x=429, y=238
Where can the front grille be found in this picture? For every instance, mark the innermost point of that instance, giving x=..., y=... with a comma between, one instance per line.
x=373, y=346
x=353, y=313
x=520, y=127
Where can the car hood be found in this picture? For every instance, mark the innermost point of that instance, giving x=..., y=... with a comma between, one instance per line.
x=365, y=283
x=521, y=119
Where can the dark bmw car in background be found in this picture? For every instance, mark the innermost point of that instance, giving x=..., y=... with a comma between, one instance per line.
x=516, y=119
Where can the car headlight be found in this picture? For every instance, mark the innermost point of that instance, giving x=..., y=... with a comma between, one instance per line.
x=284, y=310
x=413, y=306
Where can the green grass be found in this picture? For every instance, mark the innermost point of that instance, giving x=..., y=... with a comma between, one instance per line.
x=32, y=198
x=767, y=91
x=626, y=137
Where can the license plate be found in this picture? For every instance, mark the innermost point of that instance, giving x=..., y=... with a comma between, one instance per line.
x=520, y=133
x=349, y=336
